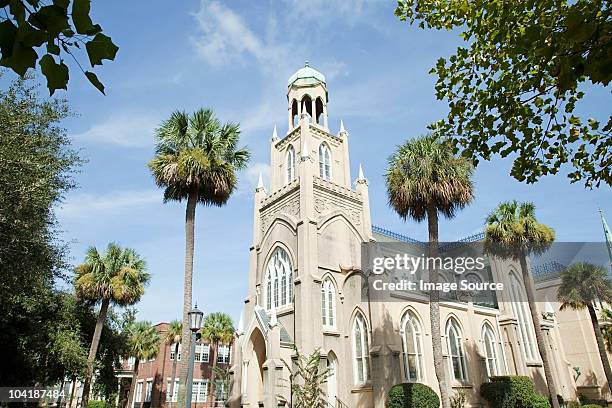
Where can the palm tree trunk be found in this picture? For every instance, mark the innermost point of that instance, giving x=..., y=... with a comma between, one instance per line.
x=603, y=355
x=176, y=348
x=93, y=350
x=535, y=318
x=434, y=310
x=187, y=288
x=212, y=374
x=133, y=384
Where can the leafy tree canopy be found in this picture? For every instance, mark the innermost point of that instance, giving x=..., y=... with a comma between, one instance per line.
x=46, y=32
x=36, y=168
x=513, y=88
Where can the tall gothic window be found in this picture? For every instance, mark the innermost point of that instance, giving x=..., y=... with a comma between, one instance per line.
x=456, y=351
x=490, y=351
x=361, y=350
x=328, y=303
x=290, y=163
x=279, y=280
x=520, y=308
x=324, y=161
x=412, y=348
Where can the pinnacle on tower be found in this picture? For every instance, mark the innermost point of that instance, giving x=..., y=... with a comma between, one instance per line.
x=274, y=135
x=240, y=330
x=260, y=184
x=360, y=177
x=342, y=131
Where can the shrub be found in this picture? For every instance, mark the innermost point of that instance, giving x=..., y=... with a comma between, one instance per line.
x=573, y=404
x=459, y=399
x=512, y=392
x=412, y=395
x=591, y=406
x=98, y=404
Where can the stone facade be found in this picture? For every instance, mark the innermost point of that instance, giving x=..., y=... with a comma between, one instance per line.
x=305, y=289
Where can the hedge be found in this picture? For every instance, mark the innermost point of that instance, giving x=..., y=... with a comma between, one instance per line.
x=412, y=395
x=98, y=404
x=512, y=392
x=591, y=406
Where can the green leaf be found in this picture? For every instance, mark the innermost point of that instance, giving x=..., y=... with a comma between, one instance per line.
x=21, y=59
x=52, y=19
x=95, y=81
x=56, y=74
x=53, y=48
x=80, y=16
x=99, y=48
x=8, y=32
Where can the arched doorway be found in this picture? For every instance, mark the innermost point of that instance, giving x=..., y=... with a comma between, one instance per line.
x=257, y=357
x=332, y=380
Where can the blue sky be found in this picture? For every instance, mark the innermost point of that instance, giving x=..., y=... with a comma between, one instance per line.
x=235, y=58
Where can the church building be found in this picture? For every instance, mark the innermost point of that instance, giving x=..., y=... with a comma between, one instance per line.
x=305, y=290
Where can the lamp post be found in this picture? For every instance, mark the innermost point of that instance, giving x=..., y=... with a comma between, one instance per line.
x=195, y=323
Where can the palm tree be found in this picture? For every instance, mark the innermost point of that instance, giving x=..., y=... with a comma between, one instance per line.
x=173, y=336
x=425, y=179
x=143, y=344
x=582, y=284
x=513, y=232
x=218, y=328
x=606, y=330
x=117, y=276
x=196, y=159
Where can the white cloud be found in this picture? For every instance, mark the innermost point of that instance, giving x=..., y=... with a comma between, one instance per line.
x=226, y=38
x=134, y=130
x=87, y=204
x=250, y=177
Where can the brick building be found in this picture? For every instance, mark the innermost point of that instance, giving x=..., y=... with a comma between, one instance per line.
x=154, y=376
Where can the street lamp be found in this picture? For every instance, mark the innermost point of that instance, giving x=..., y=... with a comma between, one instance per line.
x=195, y=316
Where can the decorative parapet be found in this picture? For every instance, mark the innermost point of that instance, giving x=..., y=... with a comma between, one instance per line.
x=291, y=136
x=284, y=201
x=334, y=188
x=319, y=131
x=329, y=197
x=279, y=194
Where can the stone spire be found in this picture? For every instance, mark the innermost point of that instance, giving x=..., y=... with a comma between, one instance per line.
x=274, y=135
x=260, y=184
x=361, y=177
x=342, y=132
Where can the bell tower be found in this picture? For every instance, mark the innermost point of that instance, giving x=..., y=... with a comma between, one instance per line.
x=307, y=227
x=308, y=135
x=307, y=95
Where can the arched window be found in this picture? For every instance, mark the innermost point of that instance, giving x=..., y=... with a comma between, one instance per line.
x=490, y=351
x=279, y=276
x=455, y=350
x=412, y=348
x=328, y=303
x=361, y=350
x=307, y=105
x=319, y=111
x=294, y=113
x=324, y=161
x=520, y=308
x=290, y=163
